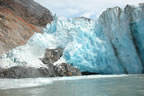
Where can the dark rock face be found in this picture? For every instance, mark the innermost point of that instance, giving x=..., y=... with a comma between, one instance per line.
x=66, y=70
x=24, y=72
x=29, y=10
x=51, y=56
x=40, y=16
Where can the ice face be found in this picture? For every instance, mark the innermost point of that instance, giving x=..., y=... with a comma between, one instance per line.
x=137, y=29
x=116, y=27
x=83, y=46
x=102, y=46
x=112, y=44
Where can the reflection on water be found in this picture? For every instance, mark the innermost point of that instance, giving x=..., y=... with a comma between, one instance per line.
x=132, y=85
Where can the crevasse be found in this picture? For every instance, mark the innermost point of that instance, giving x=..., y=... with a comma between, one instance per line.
x=112, y=44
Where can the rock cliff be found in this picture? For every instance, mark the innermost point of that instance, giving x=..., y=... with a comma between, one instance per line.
x=19, y=19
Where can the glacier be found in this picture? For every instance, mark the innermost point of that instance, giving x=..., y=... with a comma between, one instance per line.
x=110, y=44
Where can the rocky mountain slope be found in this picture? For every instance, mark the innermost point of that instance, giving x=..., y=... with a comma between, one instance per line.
x=19, y=19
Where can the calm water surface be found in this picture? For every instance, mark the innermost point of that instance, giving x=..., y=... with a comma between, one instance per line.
x=112, y=85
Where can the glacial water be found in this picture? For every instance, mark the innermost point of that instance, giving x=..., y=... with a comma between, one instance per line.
x=99, y=85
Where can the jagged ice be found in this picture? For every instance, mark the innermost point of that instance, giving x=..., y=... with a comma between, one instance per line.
x=112, y=44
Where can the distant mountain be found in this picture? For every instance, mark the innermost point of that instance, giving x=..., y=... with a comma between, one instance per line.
x=19, y=19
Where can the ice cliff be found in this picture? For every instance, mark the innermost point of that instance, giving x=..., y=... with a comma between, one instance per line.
x=112, y=44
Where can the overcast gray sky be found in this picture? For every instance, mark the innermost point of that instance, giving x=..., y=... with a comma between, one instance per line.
x=87, y=8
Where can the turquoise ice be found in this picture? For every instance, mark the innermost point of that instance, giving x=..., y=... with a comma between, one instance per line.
x=111, y=44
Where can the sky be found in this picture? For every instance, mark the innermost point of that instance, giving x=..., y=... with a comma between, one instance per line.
x=85, y=8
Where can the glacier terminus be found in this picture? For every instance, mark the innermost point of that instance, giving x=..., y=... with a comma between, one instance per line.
x=111, y=44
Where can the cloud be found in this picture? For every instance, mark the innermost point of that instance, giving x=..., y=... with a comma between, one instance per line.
x=88, y=14
x=87, y=8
